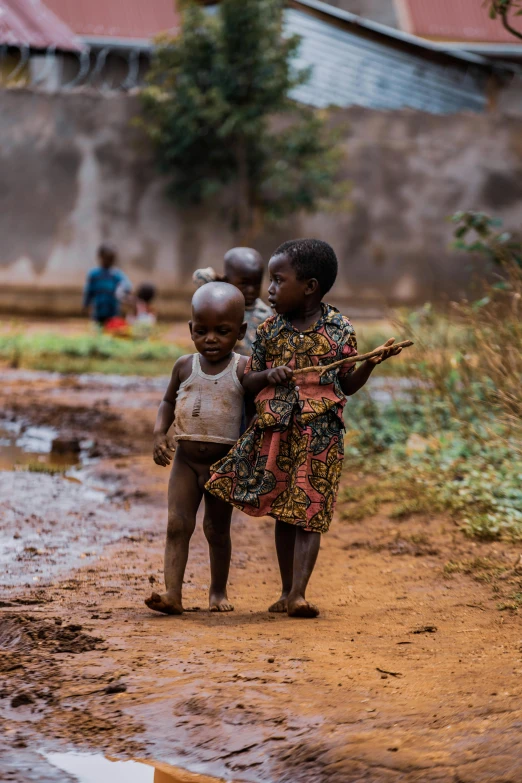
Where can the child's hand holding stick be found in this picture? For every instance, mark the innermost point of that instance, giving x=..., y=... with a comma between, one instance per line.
x=390, y=348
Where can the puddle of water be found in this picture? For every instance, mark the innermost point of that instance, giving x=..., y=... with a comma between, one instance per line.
x=21, y=446
x=95, y=768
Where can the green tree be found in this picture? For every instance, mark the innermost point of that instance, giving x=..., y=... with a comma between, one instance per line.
x=503, y=9
x=479, y=233
x=217, y=108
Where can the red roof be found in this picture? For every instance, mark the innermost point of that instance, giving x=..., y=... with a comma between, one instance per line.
x=135, y=19
x=455, y=20
x=30, y=23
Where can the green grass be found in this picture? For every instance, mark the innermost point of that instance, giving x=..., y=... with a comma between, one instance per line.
x=351, y=494
x=464, y=411
x=422, y=504
x=42, y=467
x=452, y=445
x=473, y=473
x=421, y=539
x=513, y=603
x=361, y=510
x=88, y=353
x=476, y=566
x=371, y=335
x=359, y=502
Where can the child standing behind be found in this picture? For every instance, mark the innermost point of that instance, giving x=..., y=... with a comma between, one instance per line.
x=243, y=268
x=205, y=397
x=288, y=463
x=106, y=286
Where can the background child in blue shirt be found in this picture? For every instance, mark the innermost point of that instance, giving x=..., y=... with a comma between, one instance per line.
x=105, y=286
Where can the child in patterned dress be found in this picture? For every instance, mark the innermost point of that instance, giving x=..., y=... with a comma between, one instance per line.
x=288, y=463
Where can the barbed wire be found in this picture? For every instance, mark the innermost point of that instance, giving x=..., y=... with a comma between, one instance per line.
x=105, y=68
x=361, y=74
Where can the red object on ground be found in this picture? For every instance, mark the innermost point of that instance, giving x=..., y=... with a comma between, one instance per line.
x=117, y=326
x=31, y=23
x=132, y=19
x=454, y=20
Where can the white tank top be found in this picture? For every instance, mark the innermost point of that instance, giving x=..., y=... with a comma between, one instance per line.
x=209, y=407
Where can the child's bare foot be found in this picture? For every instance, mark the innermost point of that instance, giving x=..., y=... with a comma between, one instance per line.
x=299, y=607
x=164, y=603
x=280, y=606
x=218, y=602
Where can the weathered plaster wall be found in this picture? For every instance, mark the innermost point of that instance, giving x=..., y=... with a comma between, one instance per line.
x=73, y=172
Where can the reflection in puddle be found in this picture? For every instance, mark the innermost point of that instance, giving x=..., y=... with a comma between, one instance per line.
x=30, y=447
x=95, y=768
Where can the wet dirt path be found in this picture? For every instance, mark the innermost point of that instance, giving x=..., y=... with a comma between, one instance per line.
x=410, y=673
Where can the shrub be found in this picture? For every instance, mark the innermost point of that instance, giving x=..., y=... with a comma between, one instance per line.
x=455, y=436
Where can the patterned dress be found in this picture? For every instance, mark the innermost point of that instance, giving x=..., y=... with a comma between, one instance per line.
x=288, y=463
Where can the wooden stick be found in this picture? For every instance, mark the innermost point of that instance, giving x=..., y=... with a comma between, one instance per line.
x=357, y=357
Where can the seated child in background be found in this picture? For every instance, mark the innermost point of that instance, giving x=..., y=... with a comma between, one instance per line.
x=142, y=316
x=106, y=286
x=144, y=311
x=288, y=463
x=205, y=398
x=243, y=269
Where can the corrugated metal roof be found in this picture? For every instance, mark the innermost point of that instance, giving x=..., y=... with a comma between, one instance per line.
x=355, y=22
x=133, y=19
x=349, y=69
x=30, y=23
x=454, y=20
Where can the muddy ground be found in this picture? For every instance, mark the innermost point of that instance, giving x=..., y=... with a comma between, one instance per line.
x=410, y=673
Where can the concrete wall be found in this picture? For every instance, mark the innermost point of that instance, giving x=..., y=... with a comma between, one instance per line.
x=73, y=172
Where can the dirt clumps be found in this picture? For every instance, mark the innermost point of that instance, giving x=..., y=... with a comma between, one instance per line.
x=411, y=673
x=22, y=633
x=21, y=699
x=66, y=444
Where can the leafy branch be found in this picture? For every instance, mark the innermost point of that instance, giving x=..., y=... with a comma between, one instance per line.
x=502, y=9
x=478, y=232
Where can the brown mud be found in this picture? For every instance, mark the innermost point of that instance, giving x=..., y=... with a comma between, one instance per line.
x=411, y=673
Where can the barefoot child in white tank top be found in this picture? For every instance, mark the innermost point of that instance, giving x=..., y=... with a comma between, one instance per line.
x=204, y=399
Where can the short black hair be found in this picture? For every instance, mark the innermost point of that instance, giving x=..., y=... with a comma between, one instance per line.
x=146, y=292
x=311, y=258
x=107, y=250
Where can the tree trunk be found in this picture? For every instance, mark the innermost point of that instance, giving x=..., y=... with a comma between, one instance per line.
x=243, y=216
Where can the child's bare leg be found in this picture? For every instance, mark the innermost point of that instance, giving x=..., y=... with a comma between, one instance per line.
x=216, y=526
x=285, y=543
x=184, y=499
x=305, y=554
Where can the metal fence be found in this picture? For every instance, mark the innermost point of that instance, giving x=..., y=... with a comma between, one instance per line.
x=106, y=68
x=347, y=70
